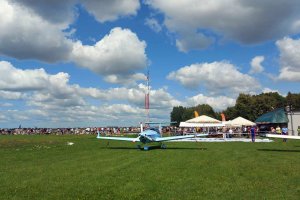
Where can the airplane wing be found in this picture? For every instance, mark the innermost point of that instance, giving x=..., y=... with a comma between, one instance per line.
x=283, y=136
x=162, y=139
x=119, y=138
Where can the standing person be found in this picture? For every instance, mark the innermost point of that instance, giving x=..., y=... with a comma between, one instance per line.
x=278, y=130
x=253, y=131
x=273, y=131
x=224, y=133
x=249, y=130
x=284, y=132
x=230, y=132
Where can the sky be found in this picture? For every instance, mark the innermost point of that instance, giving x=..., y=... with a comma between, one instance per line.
x=83, y=63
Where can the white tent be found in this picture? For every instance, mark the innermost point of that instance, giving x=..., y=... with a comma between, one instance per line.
x=240, y=121
x=203, y=119
x=202, y=125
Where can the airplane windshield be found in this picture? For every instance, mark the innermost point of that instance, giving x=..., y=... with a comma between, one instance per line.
x=153, y=129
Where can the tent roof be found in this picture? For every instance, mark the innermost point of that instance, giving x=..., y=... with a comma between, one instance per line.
x=203, y=119
x=240, y=121
x=275, y=116
x=185, y=124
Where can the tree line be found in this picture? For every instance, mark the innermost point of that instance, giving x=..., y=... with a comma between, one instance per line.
x=247, y=106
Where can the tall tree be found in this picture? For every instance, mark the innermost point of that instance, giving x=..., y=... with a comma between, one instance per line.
x=181, y=114
x=177, y=114
x=230, y=113
x=267, y=102
x=293, y=100
x=247, y=106
x=244, y=106
x=188, y=114
x=205, y=109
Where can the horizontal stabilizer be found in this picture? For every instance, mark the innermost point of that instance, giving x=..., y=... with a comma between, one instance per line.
x=162, y=139
x=119, y=138
x=283, y=136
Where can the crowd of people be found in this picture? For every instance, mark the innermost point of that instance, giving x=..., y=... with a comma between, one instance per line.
x=106, y=130
x=86, y=130
x=70, y=131
x=170, y=130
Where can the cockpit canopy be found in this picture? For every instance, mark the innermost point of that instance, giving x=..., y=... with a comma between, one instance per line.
x=154, y=129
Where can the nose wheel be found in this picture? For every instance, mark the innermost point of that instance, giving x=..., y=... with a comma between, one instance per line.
x=163, y=146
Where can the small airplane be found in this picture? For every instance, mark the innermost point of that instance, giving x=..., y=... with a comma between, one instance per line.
x=151, y=135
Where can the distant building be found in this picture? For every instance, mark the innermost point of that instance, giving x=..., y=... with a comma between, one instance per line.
x=294, y=122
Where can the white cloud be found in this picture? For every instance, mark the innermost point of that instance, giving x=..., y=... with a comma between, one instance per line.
x=159, y=99
x=6, y=104
x=216, y=77
x=130, y=79
x=256, y=66
x=109, y=10
x=54, y=11
x=62, y=104
x=12, y=78
x=27, y=31
x=193, y=41
x=119, y=53
x=289, y=75
x=2, y=118
x=217, y=103
x=289, y=59
x=57, y=11
x=239, y=20
x=52, y=98
x=267, y=90
x=153, y=24
x=25, y=35
x=11, y=95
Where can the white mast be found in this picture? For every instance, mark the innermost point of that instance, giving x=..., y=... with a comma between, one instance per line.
x=147, y=98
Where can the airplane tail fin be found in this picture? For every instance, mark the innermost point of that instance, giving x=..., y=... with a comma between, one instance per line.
x=141, y=124
x=160, y=130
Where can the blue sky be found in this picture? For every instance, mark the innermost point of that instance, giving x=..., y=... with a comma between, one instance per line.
x=81, y=63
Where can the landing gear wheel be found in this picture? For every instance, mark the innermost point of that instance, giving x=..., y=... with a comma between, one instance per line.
x=163, y=146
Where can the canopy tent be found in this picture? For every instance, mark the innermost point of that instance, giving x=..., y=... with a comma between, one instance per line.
x=227, y=123
x=202, y=125
x=240, y=121
x=277, y=116
x=203, y=119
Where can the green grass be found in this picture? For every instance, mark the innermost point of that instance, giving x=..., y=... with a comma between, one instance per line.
x=45, y=167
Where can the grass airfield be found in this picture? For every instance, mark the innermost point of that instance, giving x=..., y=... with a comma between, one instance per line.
x=45, y=167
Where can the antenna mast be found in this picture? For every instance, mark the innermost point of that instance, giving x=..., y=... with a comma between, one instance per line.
x=147, y=98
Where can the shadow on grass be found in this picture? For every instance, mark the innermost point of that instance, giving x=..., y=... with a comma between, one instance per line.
x=187, y=148
x=279, y=150
x=155, y=148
